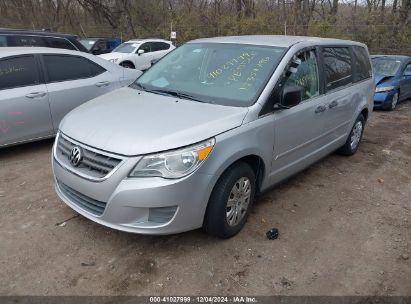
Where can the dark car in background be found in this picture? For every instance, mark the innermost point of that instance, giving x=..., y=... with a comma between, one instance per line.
x=12, y=37
x=392, y=80
x=98, y=46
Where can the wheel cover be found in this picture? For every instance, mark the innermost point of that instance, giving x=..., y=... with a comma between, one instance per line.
x=394, y=101
x=356, y=135
x=238, y=201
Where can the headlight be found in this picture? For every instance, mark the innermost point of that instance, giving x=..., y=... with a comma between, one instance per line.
x=384, y=89
x=114, y=60
x=173, y=164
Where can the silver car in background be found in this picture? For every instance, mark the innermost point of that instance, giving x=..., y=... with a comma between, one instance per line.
x=38, y=86
x=211, y=125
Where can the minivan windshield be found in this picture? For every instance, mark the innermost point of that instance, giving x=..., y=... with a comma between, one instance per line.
x=220, y=73
x=385, y=66
x=127, y=47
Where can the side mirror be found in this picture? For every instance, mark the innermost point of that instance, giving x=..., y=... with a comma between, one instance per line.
x=292, y=96
x=96, y=51
x=140, y=52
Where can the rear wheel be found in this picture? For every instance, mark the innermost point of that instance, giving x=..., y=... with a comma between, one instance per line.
x=230, y=201
x=354, y=139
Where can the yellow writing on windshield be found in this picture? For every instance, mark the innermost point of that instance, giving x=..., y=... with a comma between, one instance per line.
x=237, y=63
x=254, y=72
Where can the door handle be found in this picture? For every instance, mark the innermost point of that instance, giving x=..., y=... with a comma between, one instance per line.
x=320, y=109
x=36, y=94
x=333, y=104
x=102, y=83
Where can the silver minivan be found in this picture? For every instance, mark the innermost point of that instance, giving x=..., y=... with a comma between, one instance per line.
x=193, y=140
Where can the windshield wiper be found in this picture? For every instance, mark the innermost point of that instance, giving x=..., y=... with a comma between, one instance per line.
x=139, y=85
x=175, y=94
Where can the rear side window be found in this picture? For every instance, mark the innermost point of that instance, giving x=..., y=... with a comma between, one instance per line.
x=27, y=41
x=96, y=69
x=18, y=72
x=65, y=67
x=160, y=46
x=337, y=67
x=361, y=63
x=60, y=43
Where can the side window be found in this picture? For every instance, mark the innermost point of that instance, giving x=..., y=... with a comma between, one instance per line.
x=27, y=41
x=304, y=74
x=146, y=47
x=96, y=69
x=101, y=46
x=160, y=46
x=18, y=72
x=407, y=71
x=3, y=41
x=337, y=67
x=361, y=63
x=60, y=43
x=66, y=67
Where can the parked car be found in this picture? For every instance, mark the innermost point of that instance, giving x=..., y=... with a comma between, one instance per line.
x=38, y=86
x=98, y=46
x=192, y=141
x=392, y=80
x=15, y=38
x=139, y=53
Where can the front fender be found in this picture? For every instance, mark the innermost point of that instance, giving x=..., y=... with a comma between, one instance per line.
x=251, y=139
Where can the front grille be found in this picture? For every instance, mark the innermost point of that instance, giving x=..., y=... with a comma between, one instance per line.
x=84, y=202
x=93, y=164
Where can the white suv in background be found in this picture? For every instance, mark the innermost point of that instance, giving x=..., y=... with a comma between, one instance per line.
x=139, y=53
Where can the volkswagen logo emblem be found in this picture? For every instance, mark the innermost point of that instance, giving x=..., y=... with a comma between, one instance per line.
x=76, y=155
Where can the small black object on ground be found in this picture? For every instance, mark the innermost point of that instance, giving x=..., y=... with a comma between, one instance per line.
x=272, y=234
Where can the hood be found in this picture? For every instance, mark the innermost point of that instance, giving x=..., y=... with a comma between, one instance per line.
x=379, y=79
x=131, y=122
x=112, y=55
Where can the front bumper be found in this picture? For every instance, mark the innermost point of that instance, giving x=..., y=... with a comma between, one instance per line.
x=139, y=205
x=382, y=100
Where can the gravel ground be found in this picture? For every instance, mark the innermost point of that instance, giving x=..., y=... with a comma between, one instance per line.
x=344, y=230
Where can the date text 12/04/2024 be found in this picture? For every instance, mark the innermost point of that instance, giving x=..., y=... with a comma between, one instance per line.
x=204, y=299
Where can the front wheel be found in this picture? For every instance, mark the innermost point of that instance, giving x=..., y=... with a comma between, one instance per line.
x=230, y=202
x=354, y=139
x=394, y=101
x=127, y=65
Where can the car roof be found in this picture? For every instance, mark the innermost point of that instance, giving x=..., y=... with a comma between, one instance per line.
x=14, y=51
x=147, y=39
x=96, y=38
x=275, y=40
x=396, y=57
x=36, y=33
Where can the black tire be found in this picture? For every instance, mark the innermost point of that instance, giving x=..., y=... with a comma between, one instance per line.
x=348, y=149
x=394, y=101
x=127, y=65
x=215, y=220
